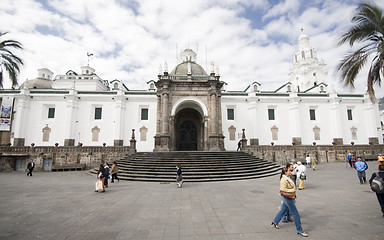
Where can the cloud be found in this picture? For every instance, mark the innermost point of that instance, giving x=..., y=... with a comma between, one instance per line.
x=130, y=39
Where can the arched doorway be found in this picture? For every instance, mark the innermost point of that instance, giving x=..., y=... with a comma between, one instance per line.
x=187, y=136
x=188, y=130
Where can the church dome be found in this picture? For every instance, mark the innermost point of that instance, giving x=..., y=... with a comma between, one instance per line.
x=182, y=69
x=39, y=83
x=189, y=65
x=43, y=80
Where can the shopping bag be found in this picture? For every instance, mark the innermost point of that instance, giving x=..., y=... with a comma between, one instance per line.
x=99, y=185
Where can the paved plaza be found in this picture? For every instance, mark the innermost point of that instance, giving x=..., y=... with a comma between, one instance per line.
x=64, y=206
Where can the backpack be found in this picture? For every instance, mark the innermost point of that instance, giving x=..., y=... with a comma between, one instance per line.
x=377, y=184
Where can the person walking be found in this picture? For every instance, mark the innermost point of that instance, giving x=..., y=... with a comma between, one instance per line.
x=349, y=159
x=288, y=196
x=301, y=174
x=380, y=159
x=287, y=216
x=380, y=196
x=100, y=177
x=114, y=170
x=294, y=171
x=308, y=161
x=353, y=160
x=179, y=176
x=239, y=146
x=106, y=170
x=360, y=167
x=30, y=166
x=313, y=163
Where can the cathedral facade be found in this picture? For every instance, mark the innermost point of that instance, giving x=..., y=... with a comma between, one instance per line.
x=188, y=109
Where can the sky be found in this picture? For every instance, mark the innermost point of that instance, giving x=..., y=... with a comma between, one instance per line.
x=249, y=40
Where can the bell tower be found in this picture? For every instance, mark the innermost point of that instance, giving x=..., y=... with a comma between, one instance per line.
x=307, y=70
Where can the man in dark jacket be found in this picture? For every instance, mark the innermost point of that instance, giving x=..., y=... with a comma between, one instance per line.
x=30, y=167
x=380, y=197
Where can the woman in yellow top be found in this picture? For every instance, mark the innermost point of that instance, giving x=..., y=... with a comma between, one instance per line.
x=288, y=195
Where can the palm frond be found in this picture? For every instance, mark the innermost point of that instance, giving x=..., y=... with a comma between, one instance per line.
x=10, y=62
x=369, y=29
x=351, y=64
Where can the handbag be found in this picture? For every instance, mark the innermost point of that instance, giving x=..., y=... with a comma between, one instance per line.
x=303, y=176
x=290, y=195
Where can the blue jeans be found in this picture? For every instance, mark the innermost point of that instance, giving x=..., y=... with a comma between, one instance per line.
x=289, y=204
x=309, y=164
x=287, y=215
x=361, y=175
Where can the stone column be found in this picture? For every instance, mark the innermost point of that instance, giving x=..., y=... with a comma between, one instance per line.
x=158, y=118
x=119, y=119
x=253, y=123
x=336, y=127
x=70, y=121
x=205, y=123
x=371, y=124
x=294, y=110
x=20, y=118
x=162, y=138
x=165, y=119
x=213, y=118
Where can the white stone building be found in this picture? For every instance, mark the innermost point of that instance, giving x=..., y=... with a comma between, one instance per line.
x=188, y=109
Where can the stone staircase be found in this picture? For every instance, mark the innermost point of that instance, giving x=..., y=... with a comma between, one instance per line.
x=196, y=166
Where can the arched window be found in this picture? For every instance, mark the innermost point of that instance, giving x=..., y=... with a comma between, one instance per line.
x=43, y=75
x=288, y=88
x=152, y=86
x=295, y=58
x=311, y=53
x=116, y=86
x=321, y=88
x=302, y=55
x=255, y=88
x=86, y=71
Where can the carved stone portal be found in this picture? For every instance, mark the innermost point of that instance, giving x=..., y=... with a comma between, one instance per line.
x=46, y=131
x=354, y=133
x=232, y=133
x=143, y=133
x=316, y=133
x=274, y=131
x=95, y=134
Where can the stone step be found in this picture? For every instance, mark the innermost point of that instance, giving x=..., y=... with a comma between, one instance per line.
x=196, y=166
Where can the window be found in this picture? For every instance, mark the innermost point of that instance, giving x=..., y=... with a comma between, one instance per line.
x=271, y=114
x=230, y=114
x=144, y=114
x=349, y=113
x=51, y=112
x=115, y=86
x=98, y=112
x=312, y=114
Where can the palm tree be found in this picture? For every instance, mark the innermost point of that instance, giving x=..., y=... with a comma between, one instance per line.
x=8, y=60
x=369, y=31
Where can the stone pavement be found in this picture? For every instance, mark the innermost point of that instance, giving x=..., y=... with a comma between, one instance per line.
x=64, y=206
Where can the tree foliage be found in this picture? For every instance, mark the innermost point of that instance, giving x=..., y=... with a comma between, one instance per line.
x=368, y=29
x=8, y=60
